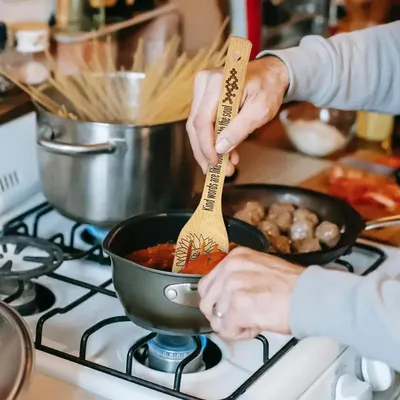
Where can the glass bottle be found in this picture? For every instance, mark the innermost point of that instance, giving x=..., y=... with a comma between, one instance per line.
x=375, y=131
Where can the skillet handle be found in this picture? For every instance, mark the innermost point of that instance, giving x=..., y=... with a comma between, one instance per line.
x=393, y=220
x=185, y=294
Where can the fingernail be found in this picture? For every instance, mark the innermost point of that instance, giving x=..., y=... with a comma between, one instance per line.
x=222, y=146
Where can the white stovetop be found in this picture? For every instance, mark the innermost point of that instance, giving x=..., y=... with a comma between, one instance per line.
x=109, y=346
x=240, y=359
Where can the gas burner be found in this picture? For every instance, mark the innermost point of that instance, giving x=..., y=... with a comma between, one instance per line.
x=93, y=235
x=165, y=353
x=28, y=298
x=23, y=258
x=169, y=353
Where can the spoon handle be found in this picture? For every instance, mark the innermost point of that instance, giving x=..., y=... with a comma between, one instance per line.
x=228, y=107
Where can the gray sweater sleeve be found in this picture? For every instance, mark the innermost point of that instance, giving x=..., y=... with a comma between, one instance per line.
x=356, y=71
x=363, y=312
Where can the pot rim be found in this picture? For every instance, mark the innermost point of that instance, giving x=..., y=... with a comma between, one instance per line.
x=105, y=124
x=84, y=122
x=179, y=213
x=27, y=355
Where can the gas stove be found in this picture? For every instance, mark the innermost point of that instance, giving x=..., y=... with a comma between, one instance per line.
x=83, y=337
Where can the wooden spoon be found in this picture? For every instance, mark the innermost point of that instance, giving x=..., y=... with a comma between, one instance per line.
x=205, y=231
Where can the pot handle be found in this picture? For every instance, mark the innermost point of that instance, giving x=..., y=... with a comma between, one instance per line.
x=75, y=150
x=185, y=294
x=385, y=222
x=69, y=149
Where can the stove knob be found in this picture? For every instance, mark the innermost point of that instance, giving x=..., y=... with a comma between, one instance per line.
x=379, y=375
x=348, y=387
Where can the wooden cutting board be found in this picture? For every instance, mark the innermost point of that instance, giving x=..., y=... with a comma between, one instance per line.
x=368, y=155
x=390, y=236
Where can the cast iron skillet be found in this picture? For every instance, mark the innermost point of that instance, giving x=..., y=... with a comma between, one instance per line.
x=326, y=207
x=163, y=302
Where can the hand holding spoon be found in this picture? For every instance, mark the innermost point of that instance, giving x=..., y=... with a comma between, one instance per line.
x=205, y=231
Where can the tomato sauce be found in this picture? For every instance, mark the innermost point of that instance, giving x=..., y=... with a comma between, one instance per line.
x=161, y=257
x=204, y=264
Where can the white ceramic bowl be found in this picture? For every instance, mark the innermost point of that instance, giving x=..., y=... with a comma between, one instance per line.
x=318, y=132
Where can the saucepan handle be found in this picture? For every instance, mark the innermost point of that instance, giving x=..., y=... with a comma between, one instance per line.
x=185, y=294
x=385, y=222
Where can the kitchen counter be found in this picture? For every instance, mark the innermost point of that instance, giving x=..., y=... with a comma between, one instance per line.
x=260, y=163
x=14, y=105
x=43, y=387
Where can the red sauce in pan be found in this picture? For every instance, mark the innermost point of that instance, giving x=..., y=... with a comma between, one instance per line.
x=161, y=257
x=204, y=264
x=157, y=257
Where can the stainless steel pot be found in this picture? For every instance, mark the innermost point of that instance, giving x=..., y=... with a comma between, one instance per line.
x=101, y=173
x=16, y=354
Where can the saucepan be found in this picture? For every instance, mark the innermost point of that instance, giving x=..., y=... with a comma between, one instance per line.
x=17, y=354
x=160, y=301
x=329, y=208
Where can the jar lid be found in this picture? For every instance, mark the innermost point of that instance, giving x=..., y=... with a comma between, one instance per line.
x=17, y=353
x=31, y=41
x=31, y=38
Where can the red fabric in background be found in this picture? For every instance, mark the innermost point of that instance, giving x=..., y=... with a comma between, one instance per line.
x=254, y=24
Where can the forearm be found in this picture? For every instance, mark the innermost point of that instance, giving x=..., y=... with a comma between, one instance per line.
x=363, y=312
x=358, y=70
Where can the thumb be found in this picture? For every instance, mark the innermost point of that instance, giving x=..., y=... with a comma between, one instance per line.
x=253, y=114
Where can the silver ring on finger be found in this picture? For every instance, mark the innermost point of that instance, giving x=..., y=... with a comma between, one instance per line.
x=217, y=313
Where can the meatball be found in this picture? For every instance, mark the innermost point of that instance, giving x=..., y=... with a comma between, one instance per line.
x=301, y=229
x=328, y=233
x=303, y=214
x=268, y=228
x=306, y=245
x=253, y=212
x=282, y=220
x=280, y=244
x=278, y=208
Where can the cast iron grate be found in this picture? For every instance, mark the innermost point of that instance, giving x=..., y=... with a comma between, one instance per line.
x=17, y=226
x=127, y=375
